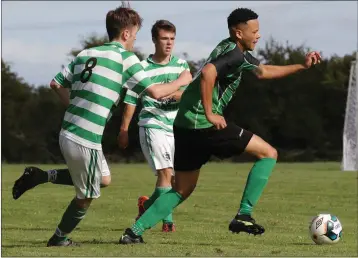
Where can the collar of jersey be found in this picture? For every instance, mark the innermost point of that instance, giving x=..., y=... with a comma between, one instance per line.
x=150, y=60
x=114, y=43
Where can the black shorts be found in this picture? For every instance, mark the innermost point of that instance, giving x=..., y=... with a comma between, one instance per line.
x=194, y=147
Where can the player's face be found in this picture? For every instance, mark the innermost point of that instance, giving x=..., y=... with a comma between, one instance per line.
x=130, y=36
x=164, y=43
x=249, y=34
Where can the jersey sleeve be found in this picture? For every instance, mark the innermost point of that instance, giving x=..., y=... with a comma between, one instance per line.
x=186, y=66
x=250, y=62
x=131, y=98
x=134, y=77
x=64, y=78
x=224, y=63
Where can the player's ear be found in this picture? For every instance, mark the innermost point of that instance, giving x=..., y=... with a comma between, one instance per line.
x=154, y=40
x=238, y=34
x=235, y=32
x=126, y=34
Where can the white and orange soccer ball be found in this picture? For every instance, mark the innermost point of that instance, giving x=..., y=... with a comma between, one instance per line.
x=325, y=229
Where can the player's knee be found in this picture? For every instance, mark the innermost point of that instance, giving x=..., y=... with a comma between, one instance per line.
x=84, y=203
x=186, y=192
x=106, y=181
x=271, y=153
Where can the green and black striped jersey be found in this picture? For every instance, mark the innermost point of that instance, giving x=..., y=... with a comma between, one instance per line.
x=230, y=62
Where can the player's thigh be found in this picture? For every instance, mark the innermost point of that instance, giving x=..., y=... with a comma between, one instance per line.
x=85, y=166
x=260, y=148
x=191, y=149
x=230, y=141
x=157, y=148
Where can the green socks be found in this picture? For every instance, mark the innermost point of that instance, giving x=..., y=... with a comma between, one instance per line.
x=158, y=192
x=161, y=208
x=59, y=176
x=255, y=184
x=70, y=219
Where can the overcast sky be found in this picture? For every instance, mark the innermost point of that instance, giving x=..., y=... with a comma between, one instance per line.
x=37, y=36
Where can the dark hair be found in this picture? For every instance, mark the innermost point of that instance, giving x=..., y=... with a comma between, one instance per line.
x=121, y=18
x=240, y=15
x=164, y=25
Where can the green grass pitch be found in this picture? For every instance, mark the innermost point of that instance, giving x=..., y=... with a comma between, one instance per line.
x=295, y=193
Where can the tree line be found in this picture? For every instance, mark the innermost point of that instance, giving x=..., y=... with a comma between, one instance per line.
x=302, y=115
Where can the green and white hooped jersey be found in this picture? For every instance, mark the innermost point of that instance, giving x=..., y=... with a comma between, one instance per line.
x=158, y=114
x=96, y=79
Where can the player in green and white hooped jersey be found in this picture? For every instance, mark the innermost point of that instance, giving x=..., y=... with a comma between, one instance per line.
x=157, y=116
x=95, y=80
x=200, y=129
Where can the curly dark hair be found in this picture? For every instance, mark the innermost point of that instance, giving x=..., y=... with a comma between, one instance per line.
x=240, y=15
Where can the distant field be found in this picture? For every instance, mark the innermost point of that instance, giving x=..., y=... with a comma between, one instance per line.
x=295, y=193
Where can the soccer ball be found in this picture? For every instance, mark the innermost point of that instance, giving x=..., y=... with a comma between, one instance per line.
x=325, y=229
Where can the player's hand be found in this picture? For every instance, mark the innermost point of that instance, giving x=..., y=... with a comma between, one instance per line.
x=169, y=97
x=312, y=58
x=122, y=139
x=217, y=120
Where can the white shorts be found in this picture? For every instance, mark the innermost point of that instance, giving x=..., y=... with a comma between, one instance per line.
x=86, y=166
x=158, y=148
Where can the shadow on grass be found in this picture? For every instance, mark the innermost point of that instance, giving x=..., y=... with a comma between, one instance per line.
x=53, y=229
x=304, y=244
x=184, y=243
x=43, y=243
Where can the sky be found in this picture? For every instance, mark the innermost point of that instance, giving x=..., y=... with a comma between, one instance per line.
x=37, y=36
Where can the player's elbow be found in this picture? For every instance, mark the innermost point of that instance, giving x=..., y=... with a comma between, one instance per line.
x=54, y=85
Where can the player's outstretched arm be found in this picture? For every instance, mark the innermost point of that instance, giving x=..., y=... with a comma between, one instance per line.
x=63, y=93
x=207, y=83
x=126, y=120
x=159, y=91
x=275, y=71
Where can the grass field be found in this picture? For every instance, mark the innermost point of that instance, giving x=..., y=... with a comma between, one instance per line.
x=295, y=193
